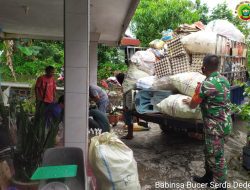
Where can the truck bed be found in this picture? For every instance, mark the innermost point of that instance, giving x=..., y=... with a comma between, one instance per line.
x=167, y=122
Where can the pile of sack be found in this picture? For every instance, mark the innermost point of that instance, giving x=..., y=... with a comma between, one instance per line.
x=185, y=85
x=173, y=63
x=167, y=94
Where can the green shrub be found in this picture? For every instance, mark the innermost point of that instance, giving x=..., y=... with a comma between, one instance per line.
x=107, y=69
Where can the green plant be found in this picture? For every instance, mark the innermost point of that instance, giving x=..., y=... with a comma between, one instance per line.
x=29, y=103
x=244, y=110
x=4, y=123
x=34, y=136
x=29, y=106
x=110, y=60
x=152, y=17
x=107, y=69
x=29, y=58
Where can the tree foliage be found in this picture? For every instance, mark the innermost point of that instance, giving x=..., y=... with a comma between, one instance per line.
x=109, y=54
x=222, y=11
x=30, y=57
x=110, y=60
x=152, y=17
x=202, y=10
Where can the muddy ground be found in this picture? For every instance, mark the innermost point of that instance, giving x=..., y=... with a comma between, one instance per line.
x=175, y=158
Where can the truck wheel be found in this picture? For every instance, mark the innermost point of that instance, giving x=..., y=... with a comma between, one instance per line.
x=166, y=128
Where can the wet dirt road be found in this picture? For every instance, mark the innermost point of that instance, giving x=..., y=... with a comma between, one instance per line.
x=175, y=158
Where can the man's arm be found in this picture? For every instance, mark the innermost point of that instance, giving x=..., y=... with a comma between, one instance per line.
x=95, y=98
x=196, y=99
x=191, y=103
x=94, y=95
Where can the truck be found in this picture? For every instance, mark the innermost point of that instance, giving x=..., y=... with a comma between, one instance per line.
x=168, y=123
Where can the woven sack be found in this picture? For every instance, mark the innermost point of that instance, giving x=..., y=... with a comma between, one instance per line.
x=174, y=106
x=113, y=163
x=163, y=83
x=186, y=83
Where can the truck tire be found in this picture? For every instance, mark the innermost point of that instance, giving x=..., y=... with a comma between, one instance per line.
x=166, y=128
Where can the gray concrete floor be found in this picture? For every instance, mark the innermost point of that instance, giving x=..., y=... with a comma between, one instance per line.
x=175, y=158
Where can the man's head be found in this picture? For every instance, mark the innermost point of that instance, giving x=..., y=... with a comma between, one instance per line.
x=49, y=71
x=120, y=77
x=211, y=64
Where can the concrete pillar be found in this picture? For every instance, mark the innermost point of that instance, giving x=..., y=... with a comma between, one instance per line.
x=93, y=57
x=76, y=73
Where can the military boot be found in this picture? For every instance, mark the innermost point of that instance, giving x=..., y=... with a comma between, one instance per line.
x=207, y=178
x=221, y=187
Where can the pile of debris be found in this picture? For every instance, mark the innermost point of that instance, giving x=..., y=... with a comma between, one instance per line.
x=185, y=29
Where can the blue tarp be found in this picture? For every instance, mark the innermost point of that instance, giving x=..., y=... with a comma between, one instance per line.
x=146, y=100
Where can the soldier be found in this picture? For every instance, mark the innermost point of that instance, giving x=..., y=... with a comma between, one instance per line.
x=213, y=95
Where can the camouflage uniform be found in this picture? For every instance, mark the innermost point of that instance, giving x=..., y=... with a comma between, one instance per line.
x=215, y=94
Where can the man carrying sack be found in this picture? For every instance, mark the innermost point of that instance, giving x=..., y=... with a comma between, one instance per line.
x=213, y=95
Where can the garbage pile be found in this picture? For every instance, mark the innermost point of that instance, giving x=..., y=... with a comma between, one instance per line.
x=185, y=29
x=172, y=65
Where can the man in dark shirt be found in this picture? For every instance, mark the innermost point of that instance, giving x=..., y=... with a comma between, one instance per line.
x=99, y=96
x=100, y=119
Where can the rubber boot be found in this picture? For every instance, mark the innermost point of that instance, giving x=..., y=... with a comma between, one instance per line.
x=130, y=133
x=221, y=187
x=207, y=178
x=130, y=130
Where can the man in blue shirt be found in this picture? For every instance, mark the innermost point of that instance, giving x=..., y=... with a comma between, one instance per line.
x=99, y=96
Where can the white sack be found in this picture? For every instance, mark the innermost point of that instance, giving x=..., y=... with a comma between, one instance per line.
x=133, y=74
x=145, y=82
x=225, y=28
x=144, y=60
x=128, y=84
x=186, y=83
x=200, y=42
x=163, y=83
x=113, y=163
x=174, y=106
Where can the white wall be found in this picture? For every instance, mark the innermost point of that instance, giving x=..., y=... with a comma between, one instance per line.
x=93, y=62
x=93, y=57
x=76, y=73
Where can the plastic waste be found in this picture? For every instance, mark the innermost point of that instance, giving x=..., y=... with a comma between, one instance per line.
x=225, y=28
